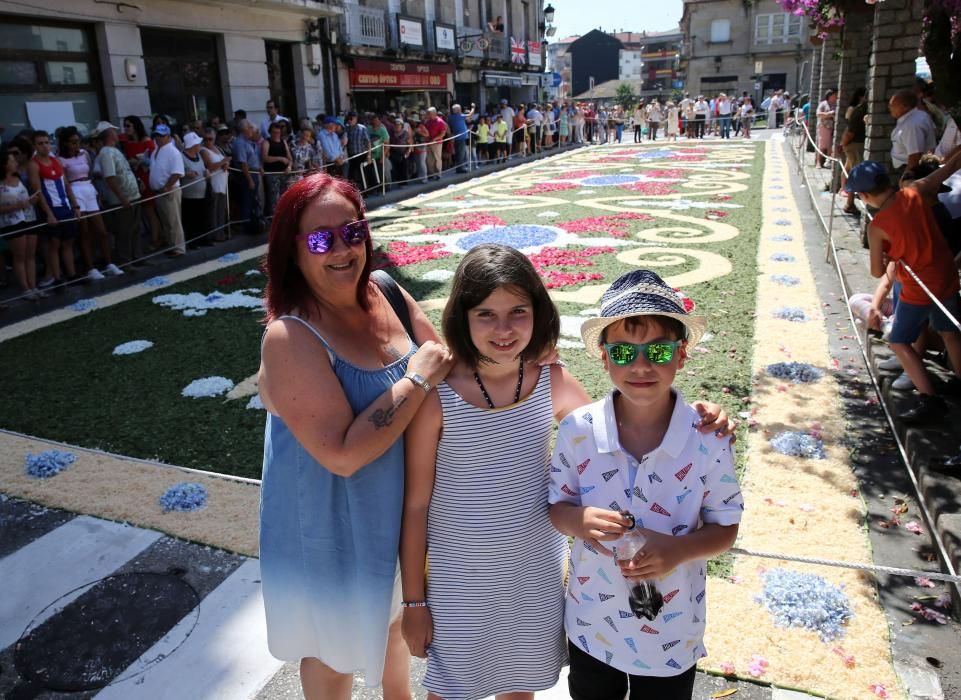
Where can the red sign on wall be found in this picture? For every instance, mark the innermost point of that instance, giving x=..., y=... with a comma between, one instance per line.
x=384, y=75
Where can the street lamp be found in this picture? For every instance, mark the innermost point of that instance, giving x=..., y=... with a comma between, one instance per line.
x=549, y=13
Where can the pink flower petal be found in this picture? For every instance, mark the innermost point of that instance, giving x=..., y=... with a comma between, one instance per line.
x=924, y=582
x=914, y=527
x=879, y=690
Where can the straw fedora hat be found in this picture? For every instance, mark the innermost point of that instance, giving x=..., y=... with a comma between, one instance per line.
x=639, y=293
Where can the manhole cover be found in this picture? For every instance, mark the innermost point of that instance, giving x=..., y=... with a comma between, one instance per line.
x=99, y=630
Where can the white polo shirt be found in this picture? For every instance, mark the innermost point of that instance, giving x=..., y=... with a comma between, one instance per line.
x=687, y=480
x=913, y=133
x=165, y=162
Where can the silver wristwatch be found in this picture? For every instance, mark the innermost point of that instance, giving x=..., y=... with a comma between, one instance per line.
x=420, y=381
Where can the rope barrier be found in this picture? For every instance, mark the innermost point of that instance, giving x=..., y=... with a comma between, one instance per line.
x=870, y=217
x=856, y=566
x=902, y=449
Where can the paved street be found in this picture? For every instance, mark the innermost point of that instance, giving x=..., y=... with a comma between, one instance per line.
x=96, y=608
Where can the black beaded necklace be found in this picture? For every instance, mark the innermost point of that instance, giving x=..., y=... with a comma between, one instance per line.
x=517, y=394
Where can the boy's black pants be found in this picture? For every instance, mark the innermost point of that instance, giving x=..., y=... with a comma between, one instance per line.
x=591, y=679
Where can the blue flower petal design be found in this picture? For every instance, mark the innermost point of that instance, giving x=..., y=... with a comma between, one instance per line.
x=184, y=497
x=602, y=180
x=790, y=313
x=782, y=210
x=797, y=372
x=48, y=463
x=783, y=222
x=805, y=600
x=228, y=258
x=158, y=281
x=794, y=444
x=782, y=257
x=778, y=196
x=786, y=280
x=781, y=237
x=518, y=236
x=651, y=155
x=82, y=305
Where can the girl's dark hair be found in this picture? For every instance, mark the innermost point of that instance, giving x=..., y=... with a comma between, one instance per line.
x=287, y=289
x=64, y=135
x=137, y=126
x=858, y=95
x=161, y=119
x=483, y=270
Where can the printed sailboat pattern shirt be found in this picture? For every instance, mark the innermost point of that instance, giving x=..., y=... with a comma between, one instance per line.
x=687, y=480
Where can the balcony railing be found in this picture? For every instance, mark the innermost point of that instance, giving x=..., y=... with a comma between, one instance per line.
x=472, y=35
x=498, y=49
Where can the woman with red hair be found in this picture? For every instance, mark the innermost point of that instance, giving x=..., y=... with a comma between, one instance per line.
x=341, y=379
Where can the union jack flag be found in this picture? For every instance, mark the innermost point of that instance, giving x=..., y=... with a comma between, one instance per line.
x=518, y=52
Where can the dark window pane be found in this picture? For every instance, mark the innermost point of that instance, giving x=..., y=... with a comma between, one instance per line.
x=68, y=72
x=18, y=73
x=37, y=37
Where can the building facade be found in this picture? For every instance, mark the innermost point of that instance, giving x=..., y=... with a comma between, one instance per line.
x=401, y=54
x=595, y=59
x=84, y=61
x=87, y=60
x=734, y=46
x=655, y=56
x=559, y=61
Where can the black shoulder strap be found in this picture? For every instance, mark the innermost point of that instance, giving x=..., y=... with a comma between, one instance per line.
x=395, y=298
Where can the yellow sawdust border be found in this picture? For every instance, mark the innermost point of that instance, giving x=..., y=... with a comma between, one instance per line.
x=792, y=505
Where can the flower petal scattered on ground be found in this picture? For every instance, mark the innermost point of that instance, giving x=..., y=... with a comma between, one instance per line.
x=184, y=497
x=798, y=599
x=207, y=387
x=48, y=463
x=132, y=347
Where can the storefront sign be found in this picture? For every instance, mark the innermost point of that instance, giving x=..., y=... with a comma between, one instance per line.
x=411, y=31
x=444, y=38
x=502, y=80
x=384, y=75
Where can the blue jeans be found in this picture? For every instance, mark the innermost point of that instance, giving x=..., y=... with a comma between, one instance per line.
x=725, y=126
x=620, y=131
x=460, y=155
x=420, y=159
x=250, y=206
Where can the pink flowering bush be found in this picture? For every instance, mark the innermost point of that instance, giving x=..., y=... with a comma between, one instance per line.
x=615, y=225
x=545, y=187
x=399, y=253
x=468, y=221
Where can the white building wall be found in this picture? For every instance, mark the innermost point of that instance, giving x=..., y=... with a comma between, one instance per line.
x=241, y=26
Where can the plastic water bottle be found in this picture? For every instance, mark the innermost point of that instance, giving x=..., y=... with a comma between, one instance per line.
x=644, y=597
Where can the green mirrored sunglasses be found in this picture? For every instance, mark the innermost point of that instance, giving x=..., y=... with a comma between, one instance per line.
x=659, y=353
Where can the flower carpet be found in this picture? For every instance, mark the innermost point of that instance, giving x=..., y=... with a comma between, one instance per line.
x=170, y=375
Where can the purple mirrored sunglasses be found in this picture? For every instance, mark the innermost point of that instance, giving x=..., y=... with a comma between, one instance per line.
x=322, y=240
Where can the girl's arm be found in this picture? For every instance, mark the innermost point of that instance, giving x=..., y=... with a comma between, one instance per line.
x=566, y=392
x=420, y=442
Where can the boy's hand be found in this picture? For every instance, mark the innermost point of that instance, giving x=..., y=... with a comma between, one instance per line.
x=714, y=419
x=601, y=525
x=660, y=556
x=417, y=626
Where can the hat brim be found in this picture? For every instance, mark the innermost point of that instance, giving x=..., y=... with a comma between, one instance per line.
x=592, y=328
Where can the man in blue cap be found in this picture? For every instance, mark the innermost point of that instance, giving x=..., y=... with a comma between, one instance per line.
x=332, y=148
x=904, y=230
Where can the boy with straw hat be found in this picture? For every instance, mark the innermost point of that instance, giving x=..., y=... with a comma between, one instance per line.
x=633, y=467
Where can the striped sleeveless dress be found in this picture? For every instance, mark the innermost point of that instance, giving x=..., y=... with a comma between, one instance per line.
x=495, y=563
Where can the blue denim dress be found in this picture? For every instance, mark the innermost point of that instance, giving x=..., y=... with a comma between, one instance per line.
x=329, y=544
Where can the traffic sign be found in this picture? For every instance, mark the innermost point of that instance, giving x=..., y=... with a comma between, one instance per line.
x=555, y=79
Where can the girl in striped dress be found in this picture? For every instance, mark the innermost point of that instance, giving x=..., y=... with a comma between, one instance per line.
x=488, y=614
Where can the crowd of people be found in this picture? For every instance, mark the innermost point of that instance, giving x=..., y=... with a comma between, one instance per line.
x=914, y=222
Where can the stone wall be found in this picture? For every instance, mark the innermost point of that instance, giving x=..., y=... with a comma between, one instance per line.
x=895, y=39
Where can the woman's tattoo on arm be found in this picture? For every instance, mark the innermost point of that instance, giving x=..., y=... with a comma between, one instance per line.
x=383, y=417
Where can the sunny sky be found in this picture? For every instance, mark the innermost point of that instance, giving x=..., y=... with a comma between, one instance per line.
x=581, y=16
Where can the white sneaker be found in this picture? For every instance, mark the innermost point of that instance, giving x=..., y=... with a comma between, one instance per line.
x=113, y=270
x=94, y=274
x=891, y=364
x=902, y=383
x=45, y=282
x=31, y=295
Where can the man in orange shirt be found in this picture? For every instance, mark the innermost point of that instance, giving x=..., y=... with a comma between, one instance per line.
x=904, y=230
